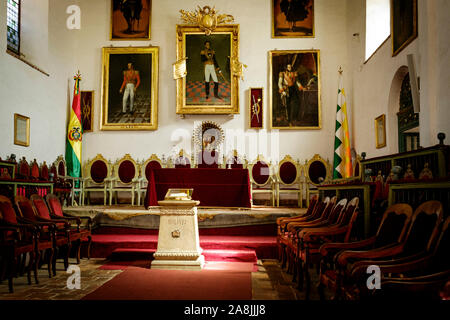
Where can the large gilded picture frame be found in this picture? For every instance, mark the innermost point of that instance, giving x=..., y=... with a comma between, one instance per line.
x=131, y=20
x=130, y=88
x=293, y=19
x=403, y=24
x=294, y=89
x=211, y=84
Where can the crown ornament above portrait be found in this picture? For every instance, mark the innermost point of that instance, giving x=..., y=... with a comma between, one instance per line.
x=206, y=18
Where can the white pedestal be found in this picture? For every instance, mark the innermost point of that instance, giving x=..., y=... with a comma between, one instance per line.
x=178, y=240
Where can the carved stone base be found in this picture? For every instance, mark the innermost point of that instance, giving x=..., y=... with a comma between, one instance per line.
x=179, y=264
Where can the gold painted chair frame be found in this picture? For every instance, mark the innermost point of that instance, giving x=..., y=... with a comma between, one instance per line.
x=118, y=185
x=270, y=180
x=89, y=185
x=279, y=182
x=311, y=186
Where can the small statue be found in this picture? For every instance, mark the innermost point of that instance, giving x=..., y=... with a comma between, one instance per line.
x=379, y=177
x=396, y=170
x=391, y=177
x=426, y=172
x=409, y=174
x=367, y=175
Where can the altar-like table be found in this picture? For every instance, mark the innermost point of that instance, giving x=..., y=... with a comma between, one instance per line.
x=212, y=187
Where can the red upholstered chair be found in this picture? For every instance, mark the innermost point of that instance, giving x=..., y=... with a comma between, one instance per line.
x=83, y=224
x=288, y=179
x=65, y=181
x=183, y=160
x=125, y=178
x=317, y=172
x=16, y=242
x=419, y=240
x=391, y=231
x=150, y=164
x=57, y=232
x=261, y=178
x=310, y=240
x=97, y=177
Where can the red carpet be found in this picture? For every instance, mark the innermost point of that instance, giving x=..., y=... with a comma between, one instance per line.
x=144, y=284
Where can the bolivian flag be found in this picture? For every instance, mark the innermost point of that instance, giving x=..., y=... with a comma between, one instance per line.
x=74, y=133
x=342, y=164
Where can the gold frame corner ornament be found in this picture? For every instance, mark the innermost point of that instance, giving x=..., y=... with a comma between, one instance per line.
x=153, y=124
x=236, y=68
x=380, y=120
x=17, y=141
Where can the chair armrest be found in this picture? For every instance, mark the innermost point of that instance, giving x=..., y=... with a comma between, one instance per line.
x=311, y=235
x=343, y=257
x=87, y=218
x=67, y=219
x=327, y=247
x=54, y=222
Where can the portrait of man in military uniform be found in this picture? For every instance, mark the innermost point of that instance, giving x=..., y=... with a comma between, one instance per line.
x=131, y=19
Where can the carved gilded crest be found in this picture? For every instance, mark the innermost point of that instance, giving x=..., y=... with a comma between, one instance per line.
x=206, y=18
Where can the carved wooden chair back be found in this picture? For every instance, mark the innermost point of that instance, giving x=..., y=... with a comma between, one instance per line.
x=25, y=208
x=337, y=212
x=393, y=225
x=54, y=205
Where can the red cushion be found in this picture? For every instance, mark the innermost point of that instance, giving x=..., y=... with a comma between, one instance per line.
x=8, y=213
x=317, y=170
x=42, y=209
x=288, y=172
x=150, y=166
x=127, y=171
x=99, y=171
x=261, y=172
x=55, y=205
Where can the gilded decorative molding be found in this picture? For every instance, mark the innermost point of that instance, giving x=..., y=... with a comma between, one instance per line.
x=206, y=18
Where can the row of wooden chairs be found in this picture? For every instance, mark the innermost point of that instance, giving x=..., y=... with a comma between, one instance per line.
x=39, y=228
x=409, y=248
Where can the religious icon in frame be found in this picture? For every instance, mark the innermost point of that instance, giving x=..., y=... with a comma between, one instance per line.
x=87, y=110
x=130, y=19
x=292, y=18
x=130, y=88
x=294, y=89
x=256, y=120
x=403, y=24
x=380, y=131
x=211, y=84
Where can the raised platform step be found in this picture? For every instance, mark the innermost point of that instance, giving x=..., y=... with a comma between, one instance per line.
x=122, y=254
x=103, y=245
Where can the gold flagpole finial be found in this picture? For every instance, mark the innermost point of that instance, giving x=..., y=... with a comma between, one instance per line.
x=340, y=70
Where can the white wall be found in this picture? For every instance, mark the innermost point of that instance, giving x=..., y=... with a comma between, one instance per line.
x=29, y=92
x=371, y=81
x=254, y=18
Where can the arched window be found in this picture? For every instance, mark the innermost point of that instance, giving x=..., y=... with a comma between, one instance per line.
x=408, y=121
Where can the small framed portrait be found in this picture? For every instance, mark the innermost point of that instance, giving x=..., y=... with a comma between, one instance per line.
x=403, y=24
x=380, y=131
x=292, y=18
x=87, y=110
x=210, y=85
x=21, y=130
x=130, y=19
x=256, y=110
x=294, y=89
x=130, y=88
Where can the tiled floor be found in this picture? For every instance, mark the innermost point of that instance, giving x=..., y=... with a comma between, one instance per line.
x=269, y=283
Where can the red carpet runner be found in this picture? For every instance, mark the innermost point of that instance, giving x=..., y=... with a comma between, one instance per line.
x=146, y=284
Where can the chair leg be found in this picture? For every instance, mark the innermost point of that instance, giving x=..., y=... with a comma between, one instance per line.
x=53, y=261
x=12, y=272
x=66, y=256
x=307, y=281
x=89, y=247
x=300, y=275
x=36, y=266
x=78, y=250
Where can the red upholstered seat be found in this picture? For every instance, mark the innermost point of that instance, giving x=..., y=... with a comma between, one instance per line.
x=261, y=173
x=55, y=206
x=288, y=173
x=99, y=171
x=127, y=171
x=151, y=165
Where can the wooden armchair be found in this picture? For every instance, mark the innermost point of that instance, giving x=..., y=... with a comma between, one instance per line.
x=126, y=172
x=391, y=231
x=84, y=228
x=307, y=242
x=97, y=176
x=261, y=178
x=55, y=231
x=183, y=160
x=420, y=278
x=150, y=164
x=43, y=242
x=422, y=232
x=16, y=241
x=317, y=171
x=288, y=179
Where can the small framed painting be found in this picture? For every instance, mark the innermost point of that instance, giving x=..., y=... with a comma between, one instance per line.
x=380, y=131
x=87, y=110
x=256, y=108
x=292, y=18
x=21, y=130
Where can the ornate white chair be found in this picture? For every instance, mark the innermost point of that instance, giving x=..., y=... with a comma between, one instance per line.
x=151, y=163
x=288, y=179
x=317, y=172
x=96, y=178
x=261, y=178
x=126, y=172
